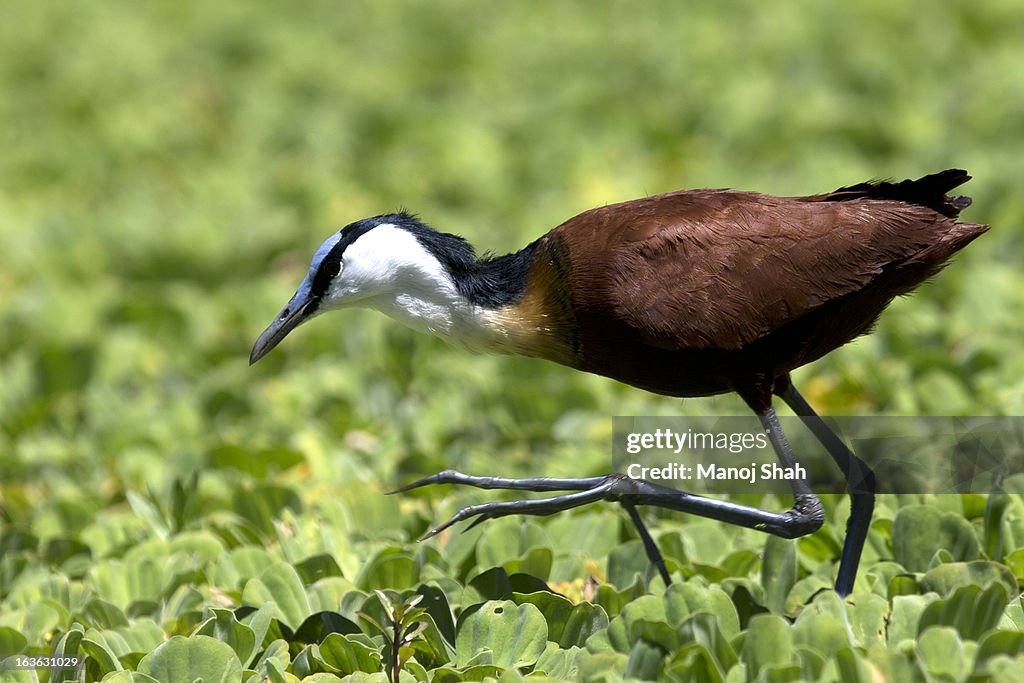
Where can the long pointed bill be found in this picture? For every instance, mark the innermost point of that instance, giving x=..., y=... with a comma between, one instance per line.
x=293, y=315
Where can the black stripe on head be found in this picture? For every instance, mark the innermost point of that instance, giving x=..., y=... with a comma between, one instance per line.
x=330, y=266
x=488, y=281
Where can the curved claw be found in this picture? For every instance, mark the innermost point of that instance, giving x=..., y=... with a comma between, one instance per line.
x=454, y=519
x=479, y=520
x=444, y=477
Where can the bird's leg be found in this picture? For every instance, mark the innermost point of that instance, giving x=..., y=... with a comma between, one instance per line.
x=860, y=484
x=805, y=517
x=806, y=506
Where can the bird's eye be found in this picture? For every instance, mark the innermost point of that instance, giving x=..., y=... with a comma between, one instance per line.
x=332, y=268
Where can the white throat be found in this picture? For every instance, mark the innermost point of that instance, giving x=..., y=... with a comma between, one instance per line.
x=389, y=270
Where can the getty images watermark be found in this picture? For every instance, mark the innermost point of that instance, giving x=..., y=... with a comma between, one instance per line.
x=668, y=441
x=907, y=454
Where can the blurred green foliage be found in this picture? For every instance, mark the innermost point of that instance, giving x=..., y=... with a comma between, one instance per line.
x=168, y=168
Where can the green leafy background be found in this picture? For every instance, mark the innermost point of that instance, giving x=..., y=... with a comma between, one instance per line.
x=166, y=170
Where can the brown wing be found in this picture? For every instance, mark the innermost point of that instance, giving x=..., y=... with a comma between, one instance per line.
x=721, y=269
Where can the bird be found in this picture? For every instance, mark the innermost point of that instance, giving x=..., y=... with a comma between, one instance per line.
x=685, y=294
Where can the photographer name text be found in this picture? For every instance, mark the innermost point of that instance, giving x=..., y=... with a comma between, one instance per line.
x=751, y=473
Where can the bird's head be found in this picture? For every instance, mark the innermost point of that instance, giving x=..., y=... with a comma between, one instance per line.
x=369, y=263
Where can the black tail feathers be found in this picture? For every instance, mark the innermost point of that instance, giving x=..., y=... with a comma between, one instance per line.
x=929, y=191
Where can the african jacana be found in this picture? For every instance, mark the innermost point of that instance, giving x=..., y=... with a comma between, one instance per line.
x=690, y=293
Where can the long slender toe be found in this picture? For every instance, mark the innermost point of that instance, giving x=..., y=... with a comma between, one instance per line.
x=443, y=477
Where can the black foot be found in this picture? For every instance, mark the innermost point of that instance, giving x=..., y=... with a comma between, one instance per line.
x=613, y=487
x=803, y=518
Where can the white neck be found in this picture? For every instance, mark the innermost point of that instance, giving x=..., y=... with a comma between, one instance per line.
x=444, y=314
